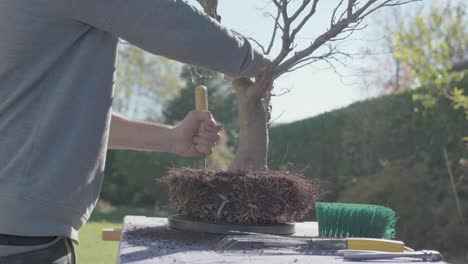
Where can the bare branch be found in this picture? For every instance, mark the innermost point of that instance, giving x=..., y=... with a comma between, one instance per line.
x=274, y=119
x=304, y=20
x=258, y=44
x=275, y=29
x=285, y=47
x=300, y=9
x=332, y=21
x=349, y=10
x=389, y=3
x=297, y=66
x=350, y=31
x=285, y=91
x=348, y=22
x=311, y=59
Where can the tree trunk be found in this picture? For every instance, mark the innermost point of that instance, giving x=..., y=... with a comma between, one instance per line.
x=254, y=114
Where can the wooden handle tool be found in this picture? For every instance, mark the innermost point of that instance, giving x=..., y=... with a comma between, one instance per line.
x=201, y=98
x=201, y=104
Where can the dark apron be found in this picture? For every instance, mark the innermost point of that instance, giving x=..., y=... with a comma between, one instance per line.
x=37, y=250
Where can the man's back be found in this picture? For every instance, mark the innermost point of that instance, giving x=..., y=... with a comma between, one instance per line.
x=56, y=67
x=55, y=101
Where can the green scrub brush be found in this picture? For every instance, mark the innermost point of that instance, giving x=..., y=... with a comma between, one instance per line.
x=355, y=220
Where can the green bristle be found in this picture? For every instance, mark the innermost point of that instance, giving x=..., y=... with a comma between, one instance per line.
x=355, y=220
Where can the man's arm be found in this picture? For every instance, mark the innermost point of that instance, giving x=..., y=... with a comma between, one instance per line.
x=173, y=29
x=138, y=135
x=183, y=139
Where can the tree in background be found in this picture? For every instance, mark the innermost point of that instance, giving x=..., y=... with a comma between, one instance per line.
x=426, y=48
x=383, y=72
x=144, y=82
x=434, y=46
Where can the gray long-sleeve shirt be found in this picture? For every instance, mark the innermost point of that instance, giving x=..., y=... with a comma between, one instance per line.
x=56, y=75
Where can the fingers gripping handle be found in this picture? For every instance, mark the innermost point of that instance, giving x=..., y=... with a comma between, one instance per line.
x=201, y=101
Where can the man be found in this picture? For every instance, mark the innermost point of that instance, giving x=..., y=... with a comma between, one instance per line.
x=56, y=76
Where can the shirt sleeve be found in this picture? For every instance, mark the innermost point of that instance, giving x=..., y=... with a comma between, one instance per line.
x=173, y=29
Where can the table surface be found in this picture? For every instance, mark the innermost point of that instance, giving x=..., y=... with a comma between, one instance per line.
x=147, y=240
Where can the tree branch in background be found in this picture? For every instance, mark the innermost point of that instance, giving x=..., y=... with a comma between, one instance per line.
x=383, y=71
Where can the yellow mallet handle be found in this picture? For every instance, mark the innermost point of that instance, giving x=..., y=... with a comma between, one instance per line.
x=201, y=100
x=201, y=104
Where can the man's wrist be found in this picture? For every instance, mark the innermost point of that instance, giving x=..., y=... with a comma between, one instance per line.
x=161, y=138
x=172, y=140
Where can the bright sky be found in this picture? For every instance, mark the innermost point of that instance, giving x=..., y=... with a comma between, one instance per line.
x=313, y=89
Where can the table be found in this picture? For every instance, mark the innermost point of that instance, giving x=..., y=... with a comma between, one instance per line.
x=147, y=240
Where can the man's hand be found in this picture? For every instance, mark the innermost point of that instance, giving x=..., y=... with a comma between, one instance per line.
x=262, y=73
x=210, y=7
x=189, y=141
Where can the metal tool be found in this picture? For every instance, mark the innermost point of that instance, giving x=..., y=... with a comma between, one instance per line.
x=360, y=255
x=335, y=244
x=182, y=223
x=238, y=238
x=201, y=104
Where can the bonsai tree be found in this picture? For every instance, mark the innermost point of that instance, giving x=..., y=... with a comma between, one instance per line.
x=248, y=192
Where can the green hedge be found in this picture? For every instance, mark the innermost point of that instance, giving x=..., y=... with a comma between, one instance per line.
x=132, y=177
x=387, y=151
x=357, y=140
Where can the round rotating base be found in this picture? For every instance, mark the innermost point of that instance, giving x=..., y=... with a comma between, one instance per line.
x=181, y=223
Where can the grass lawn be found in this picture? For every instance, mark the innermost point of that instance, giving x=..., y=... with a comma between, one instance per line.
x=92, y=250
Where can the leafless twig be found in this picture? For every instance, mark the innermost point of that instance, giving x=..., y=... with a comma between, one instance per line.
x=258, y=44
x=273, y=36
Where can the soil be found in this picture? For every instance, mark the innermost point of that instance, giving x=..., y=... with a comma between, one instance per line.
x=251, y=198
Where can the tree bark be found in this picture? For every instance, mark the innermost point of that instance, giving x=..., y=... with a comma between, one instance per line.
x=254, y=114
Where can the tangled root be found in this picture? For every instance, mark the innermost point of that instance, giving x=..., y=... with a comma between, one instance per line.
x=251, y=198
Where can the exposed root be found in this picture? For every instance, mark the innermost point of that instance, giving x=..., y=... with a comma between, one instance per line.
x=252, y=198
